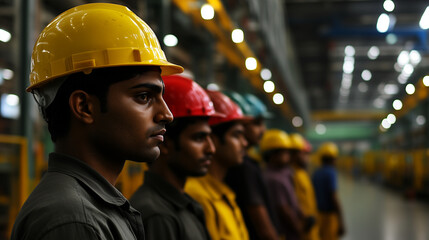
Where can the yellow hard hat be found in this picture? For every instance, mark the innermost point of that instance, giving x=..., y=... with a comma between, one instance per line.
x=274, y=139
x=298, y=142
x=328, y=149
x=95, y=35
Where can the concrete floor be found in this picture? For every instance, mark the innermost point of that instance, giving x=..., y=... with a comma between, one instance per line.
x=373, y=212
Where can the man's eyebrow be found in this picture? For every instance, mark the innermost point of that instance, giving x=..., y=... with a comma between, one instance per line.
x=154, y=87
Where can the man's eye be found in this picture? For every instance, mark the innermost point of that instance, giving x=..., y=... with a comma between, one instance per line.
x=144, y=97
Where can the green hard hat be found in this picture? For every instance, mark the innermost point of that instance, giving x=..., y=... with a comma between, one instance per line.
x=258, y=107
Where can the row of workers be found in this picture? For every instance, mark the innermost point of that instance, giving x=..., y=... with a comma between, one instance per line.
x=96, y=77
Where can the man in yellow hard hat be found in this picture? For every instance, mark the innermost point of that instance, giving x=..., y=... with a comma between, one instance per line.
x=303, y=186
x=326, y=186
x=96, y=76
x=275, y=148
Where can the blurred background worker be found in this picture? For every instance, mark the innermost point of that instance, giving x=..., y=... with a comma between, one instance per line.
x=168, y=212
x=304, y=190
x=223, y=217
x=325, y=183
x=275, y=148
x=246, y=179
x=102, y=108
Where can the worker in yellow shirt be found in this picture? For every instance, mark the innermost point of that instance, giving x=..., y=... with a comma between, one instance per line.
x=303, y=186
x=224, y=219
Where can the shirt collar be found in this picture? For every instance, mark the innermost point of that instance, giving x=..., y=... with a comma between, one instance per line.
x=217, y=189
x=166, y=190
x=88, y=177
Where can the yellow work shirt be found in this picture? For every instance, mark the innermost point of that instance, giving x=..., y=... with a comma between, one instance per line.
x=306, y=199
x=224, y=220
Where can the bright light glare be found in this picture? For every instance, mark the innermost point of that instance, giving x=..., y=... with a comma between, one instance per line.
x=415, y=57
x=420, y=120
x=408, y=70
x=397, y=104
x=207, y=12
x=366, y=75
x=389, y=5
x=379, y=103
x=386, y=124
x=170, y=40
x=213, y=87
x=373, y=52
x=297, y=121
x=383, y=23
x=391, y=118
x=424, y=21
x=269, y=86
x=237, y=35
x=12, y=100
x=266, y=74
x=320, y=129
x=348, y=66
x=363, y=87
x=403, y=58
x=4, y=35
x=7, y=74
x=426, y=81
x=349, y=50
x=390, y=89
x=410, y=89
x=278, y=98
x=251, y=63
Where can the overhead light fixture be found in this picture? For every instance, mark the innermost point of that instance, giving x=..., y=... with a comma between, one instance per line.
x=5, y=36
x=266, y=74
x=170, y=40
x=391, y=89
x=349, y=51
x=7, y=74
x=410, y=89
x=415, y=57
x=269, y=86
x=383, y=23
x=207, y=12
x=237, y=35
x=389, y=5
x=320, y=129
x=420, y=120
x=403, y=58
x=386, y=124
x=391, y=38
x=424, y=20
x=366, y=75
x=278, y=98
x=251, y=63
x=373, y=52
x=397, y=104
x=297, y=121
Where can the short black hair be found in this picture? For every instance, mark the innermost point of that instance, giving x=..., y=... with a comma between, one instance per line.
x=176, y=127
x=97, y=83
x=220, y=130
x=327, y=160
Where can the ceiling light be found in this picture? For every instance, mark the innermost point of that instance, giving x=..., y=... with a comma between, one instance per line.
x=320, y=129
x=397, y=104
x=170, y=40
x=373, y=52
x=391, y=89
x=349, y=50
x=7, y=74
x=391, y=38
x=269, y=86
x=4, y=35
x=408, y=70
x=426, y=81
x=424, y=21
x=297, y=121
x=278, y=98
x=207, y=12
x=12, y=100
x=415, y=57
x=389, y=5
x=391, y=118
x=348, y=66
x=383, y=23
x=402, y=79
x=251, y=63
x=410, y=89
x=237, y=35
x=403, y=58
x=266, y=74
x=420, y=120
x=366, y=75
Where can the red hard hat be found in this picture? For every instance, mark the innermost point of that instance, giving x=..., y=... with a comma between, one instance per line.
x=226, y=106
x=186, y=98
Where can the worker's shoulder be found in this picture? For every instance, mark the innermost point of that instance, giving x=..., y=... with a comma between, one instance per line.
x=150, y=202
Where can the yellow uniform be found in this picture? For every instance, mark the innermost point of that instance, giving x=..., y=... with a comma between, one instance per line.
x=223, y=217
x=306, y=199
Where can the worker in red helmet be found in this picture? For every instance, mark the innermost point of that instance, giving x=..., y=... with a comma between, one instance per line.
x=224, y=219
x=187, y=151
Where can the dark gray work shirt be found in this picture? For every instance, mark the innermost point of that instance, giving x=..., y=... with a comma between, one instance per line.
x=73, y=201
x=167, y=213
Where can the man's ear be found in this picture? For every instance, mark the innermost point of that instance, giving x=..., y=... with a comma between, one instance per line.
x=82, y=106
